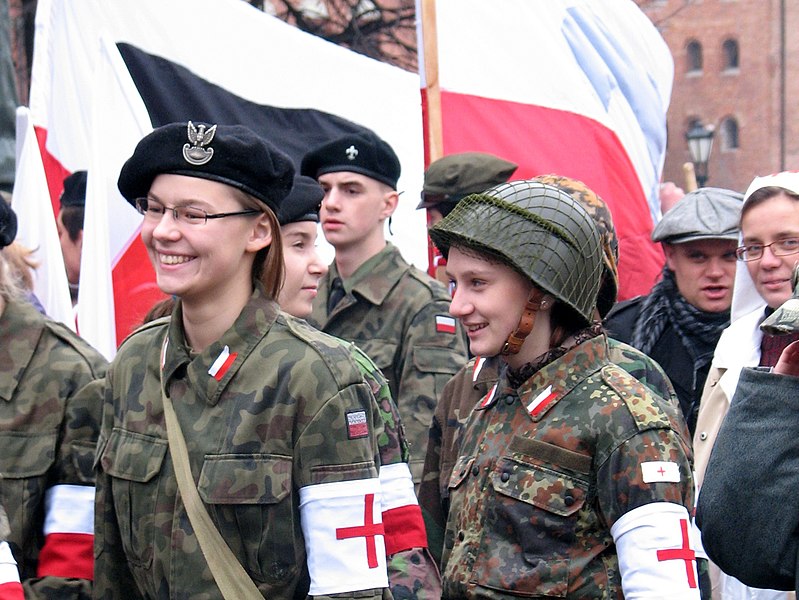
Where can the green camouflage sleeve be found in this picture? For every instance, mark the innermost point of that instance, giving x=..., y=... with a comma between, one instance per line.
x=412, y=572
x=434, y=350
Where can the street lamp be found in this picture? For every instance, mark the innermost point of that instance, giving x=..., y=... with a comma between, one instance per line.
x=700, y=143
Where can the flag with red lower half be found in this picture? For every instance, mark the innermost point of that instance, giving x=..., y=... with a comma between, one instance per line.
x=106, y=73
x=579, y=88
x=37, y=227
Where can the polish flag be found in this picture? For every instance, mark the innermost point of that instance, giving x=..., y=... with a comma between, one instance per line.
x=222, y=363
x=106, y=73
x=579, y=88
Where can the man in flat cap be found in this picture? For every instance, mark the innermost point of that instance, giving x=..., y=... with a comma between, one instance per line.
x=680, y=321
x=70, y=227
x=371, y=296
x=453, y=177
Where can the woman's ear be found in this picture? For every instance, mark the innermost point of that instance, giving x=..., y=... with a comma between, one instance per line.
x=261, y=234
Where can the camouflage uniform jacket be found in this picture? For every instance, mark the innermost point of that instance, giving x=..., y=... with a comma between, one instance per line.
x=286, y=415
x=461, y=395
x=48, y=434
x=412, y=571
x=533, y=496
x=400, y=317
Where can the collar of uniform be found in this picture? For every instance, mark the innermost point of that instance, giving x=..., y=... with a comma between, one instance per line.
x=375, y=278
x=553, y=381
x=252, y=324
x=23, y=324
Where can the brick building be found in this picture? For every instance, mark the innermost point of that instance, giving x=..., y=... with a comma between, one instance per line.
x=736, y=66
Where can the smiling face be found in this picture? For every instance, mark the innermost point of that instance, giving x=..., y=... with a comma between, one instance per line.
x=489, y=298
x=704, y=271
x=771, y=220
x=206, y=262
x=304, y=268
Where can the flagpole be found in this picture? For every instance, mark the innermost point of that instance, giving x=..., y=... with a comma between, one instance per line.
x=435, y=140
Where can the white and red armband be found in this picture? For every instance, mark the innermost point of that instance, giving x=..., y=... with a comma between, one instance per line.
x=402, y=516
x=10, y=586
x=68, y=549
x=344, y=536
x=656, y=557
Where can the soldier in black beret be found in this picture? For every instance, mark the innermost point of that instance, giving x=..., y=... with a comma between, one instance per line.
x=257, y=432
x=70, y=227
x=371, y=296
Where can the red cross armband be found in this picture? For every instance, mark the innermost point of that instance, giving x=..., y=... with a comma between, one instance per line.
x=10, y=587
x=656, y=555
x=344, y=536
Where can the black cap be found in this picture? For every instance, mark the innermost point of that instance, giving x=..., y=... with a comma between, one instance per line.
x=303, y=203
x=74, y=193
x=363, y=153
x=229, y=154
x=452, y=177
x=8, y=224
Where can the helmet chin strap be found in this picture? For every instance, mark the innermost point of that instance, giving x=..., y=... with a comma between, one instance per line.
x=536, y=301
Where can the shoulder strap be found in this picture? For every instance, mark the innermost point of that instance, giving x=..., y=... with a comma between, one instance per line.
x=230, y=576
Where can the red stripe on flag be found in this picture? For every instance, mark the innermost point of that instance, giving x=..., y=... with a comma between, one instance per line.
x=135, y=289
x=54, y=171
x=544, y=140
x=220, y=373
x=11, y=591
x=404, y=529
x=69, y=555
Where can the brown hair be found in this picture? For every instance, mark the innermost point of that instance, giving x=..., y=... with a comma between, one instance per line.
x=765, y=193
x=267, y=268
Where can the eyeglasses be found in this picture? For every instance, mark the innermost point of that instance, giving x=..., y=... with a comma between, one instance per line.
x=783, y=247
x=191, y=215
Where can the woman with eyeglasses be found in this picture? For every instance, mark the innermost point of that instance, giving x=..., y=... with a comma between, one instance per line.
x=238, y=452
x=768, y=252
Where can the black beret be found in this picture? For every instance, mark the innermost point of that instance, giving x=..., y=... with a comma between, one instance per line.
x=229, y=154
x=363, y=153
x=74, y=193
x=303, y=202
x=8, y=224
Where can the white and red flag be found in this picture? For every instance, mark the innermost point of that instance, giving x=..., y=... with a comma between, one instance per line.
x=106, y=73
x=579, y=88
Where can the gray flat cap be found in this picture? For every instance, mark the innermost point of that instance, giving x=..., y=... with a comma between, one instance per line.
x=705, y=214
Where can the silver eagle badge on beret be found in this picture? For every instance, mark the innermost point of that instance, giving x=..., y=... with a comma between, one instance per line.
x=199, y=136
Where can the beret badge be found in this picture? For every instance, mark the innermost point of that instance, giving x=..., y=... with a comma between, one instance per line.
x=199, y=136
x=351, y=152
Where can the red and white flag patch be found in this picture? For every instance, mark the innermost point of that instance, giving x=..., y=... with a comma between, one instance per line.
x=488, y=398
x=357, y=427
x=478, y=366
x=445, y=324
x=656, y=471
x=222, y=363
x=541, y=402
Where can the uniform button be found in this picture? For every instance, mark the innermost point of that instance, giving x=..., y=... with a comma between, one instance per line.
x=509, y=399
x=475, y=471
x=461, y=536
x=568, y=500
x=505, y=476
x=703, y=436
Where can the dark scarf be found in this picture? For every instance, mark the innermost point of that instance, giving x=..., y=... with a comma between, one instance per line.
x=516, y=377
x=698, y=330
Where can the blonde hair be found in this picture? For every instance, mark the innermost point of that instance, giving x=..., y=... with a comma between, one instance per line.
x=23, y=265
x=9, y=284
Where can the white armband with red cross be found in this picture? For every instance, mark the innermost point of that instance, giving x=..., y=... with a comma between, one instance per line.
x=344, y=538
x=656, y=557
x=68, y=549
x=10, y=587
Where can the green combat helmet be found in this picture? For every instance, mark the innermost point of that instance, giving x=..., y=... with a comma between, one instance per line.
x=600, y=212
x=537, y=229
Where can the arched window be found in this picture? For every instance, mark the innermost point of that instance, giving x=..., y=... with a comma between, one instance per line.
x=730, y=51
x=694, y=50
x=729, y=134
